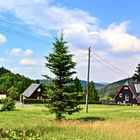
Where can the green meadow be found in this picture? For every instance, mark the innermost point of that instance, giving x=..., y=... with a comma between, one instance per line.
x=103, y=122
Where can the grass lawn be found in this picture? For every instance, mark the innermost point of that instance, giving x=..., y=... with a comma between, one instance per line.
x=103, y=122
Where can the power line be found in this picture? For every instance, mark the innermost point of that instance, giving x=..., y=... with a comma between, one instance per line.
x=24, y=27
x=112, y=69
x=22, y=35
x=111, y=65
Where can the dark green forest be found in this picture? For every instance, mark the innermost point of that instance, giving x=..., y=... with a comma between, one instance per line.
x=13, y=84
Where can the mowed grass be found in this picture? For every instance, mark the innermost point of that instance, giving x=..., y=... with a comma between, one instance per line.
x=103, y=122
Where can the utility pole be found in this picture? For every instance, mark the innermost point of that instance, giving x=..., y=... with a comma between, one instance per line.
x=89, y=49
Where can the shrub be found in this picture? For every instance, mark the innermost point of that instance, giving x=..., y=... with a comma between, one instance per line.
x=8, y=104
x=35, y=101
x=19, y=134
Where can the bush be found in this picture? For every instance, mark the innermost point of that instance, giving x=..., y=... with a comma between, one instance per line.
x=19, y=134
x=89, y=102
x=35, y=101
x=8, y=104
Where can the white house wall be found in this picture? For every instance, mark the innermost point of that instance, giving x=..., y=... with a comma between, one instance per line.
x=2, y=96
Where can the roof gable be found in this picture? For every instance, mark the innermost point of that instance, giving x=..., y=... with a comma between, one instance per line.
x=137, y=88
x=30, y=90
x=2, y=93
x=134, y=88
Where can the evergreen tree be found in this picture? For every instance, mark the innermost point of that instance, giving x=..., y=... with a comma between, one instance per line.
x=93, y=93
x=13, y=93
x=62, y=98
x=77, y=85
x=136, y=75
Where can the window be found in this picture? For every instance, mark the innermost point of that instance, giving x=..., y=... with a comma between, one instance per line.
x=119, y=102
x=120, y=95
x=133, y=96
x=125, y=87
x=126, y=97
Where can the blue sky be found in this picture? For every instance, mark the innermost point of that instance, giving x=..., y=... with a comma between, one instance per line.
x=110, y=27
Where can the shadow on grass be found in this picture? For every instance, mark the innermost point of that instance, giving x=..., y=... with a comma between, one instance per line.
x=91, y=119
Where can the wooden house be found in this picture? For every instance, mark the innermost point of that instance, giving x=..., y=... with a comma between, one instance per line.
x=34, y=91
x=128, y=93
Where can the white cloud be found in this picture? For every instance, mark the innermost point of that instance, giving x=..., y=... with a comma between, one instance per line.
x=114, y=38
x=81, y=29
x=28, y=62
x=4, y=60
x=47, y=15
x=3, y=39
x=28, y=52
x=118, y=38
x=22, y=69
x=19, y=51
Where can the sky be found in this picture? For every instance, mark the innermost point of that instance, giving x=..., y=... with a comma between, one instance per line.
x=110, y=27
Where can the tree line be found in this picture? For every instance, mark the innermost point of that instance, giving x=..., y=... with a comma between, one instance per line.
x=13, y=84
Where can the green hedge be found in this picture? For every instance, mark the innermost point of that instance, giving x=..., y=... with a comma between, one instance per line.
x=44, y=101
x=89, y=102
x=35, y=101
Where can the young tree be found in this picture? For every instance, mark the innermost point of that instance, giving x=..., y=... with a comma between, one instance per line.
x=13, y=93
x=77, y=85
x=62, y=98
x=136, y=75
x=8, y=104
x=93, y=93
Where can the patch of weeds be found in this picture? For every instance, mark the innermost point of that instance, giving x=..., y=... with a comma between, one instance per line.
x=19, y=134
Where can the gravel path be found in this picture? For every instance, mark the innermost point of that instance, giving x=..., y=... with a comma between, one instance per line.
x=20, y=105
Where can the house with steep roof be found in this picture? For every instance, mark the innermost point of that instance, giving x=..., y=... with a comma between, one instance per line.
x=128, y=93
x=34, y=91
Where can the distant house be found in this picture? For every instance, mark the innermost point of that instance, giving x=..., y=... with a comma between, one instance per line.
x=2, y=95
x=34, y=91
x=128, y=93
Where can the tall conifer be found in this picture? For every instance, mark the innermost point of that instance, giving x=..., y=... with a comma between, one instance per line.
x=62, y=98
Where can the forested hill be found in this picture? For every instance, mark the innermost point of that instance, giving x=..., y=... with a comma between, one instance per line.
x=112, y=88
x=97, y=85
x=83, y=83
x=10, y=82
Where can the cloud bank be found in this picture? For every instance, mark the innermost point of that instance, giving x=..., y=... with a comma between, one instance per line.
x=19, y=51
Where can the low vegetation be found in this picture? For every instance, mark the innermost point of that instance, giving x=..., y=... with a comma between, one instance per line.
x=8, y=104
x=103, y=122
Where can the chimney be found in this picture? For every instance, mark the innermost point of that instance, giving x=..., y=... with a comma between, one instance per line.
x=37, y=81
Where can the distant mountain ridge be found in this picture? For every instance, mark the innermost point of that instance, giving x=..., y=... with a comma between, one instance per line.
x=83, y=83
x=97, y=85
x=112, y=88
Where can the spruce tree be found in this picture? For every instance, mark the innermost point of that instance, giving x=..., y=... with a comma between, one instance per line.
x=93, y=93
x=62, y=98
x=136, y=75
x=77, y=85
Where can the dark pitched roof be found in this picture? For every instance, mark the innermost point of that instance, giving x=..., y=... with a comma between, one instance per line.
x=30, y=90
x=2, y=93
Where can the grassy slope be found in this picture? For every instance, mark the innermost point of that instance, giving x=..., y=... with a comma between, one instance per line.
x=101, y=123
